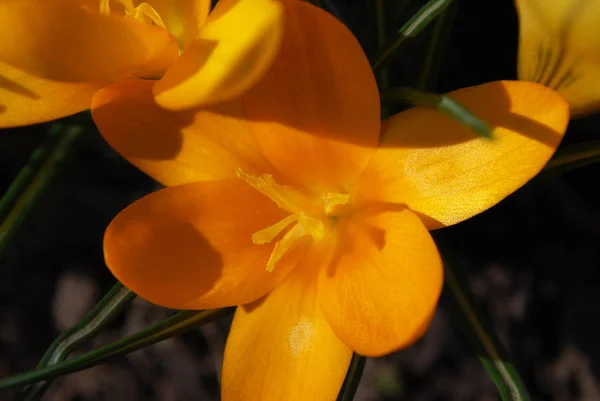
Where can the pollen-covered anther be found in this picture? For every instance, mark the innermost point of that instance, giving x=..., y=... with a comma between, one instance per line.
x=288, y=243
x=335, y=204
x=313, y=227
x=268, y=234
x=143, y=12
x=307, y=227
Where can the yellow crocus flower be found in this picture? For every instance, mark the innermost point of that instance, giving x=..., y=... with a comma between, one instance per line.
x=55, y=54
x=559, y=46
x=297, y=204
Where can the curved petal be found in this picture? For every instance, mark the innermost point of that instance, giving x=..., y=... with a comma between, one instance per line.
x=232, y=51
x=176, y=147
x=442, y=171
x=282, y=348
x=190, y=246
x=316, y=113
x=26, y=99
x=67, y=41
x=558, y=47
x=380, y=290
x=183, y=18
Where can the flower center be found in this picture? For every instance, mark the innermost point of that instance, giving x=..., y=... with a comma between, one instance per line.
x=143, y=12
x=308, y=219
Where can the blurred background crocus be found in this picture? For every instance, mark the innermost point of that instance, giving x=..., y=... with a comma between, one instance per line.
x=55, y=54
x=559, y=46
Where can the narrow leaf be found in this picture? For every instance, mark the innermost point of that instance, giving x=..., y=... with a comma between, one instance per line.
x=442, y=103
x=32, y=181
x=412, y=28
x=109, y=307
x=436, y=48
x=179, y=323
x=27, y=173
x=383, y=76
x=573, y=157
x=476, y=327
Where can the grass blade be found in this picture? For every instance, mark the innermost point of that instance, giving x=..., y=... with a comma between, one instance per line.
x=33, y=180
x=573, y=157
x=179, y=323
x=412, y=28
x=436, y=48
x=479, y=332
x=109, y=307
x=442, y=103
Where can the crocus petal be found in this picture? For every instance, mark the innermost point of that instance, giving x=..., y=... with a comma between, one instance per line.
x=176, y=147
x=316, y=113
x=232, y=51
x=558, y=47
x=190, y=246
x=67, y=41
x=380, y=290
x=26, y=99
x=440, y=169
x=282, y=348
x=183, y=18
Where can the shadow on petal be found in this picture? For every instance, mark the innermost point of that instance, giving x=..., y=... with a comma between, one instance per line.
x=319, y=85
x=190, y=247
x=425, y=128
x=29, y=99
x=176, y=147
x=133, y=124
x=14, y=87
x=161, y=258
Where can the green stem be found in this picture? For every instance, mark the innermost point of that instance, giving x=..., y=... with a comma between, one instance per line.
x=352, y=380
x=442, y=103
x=33, y=180
x=109, y=307
x=179, y=323
x=412, y=28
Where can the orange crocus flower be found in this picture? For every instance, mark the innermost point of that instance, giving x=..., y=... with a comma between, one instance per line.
x=55, y=54
x=559, y=46
x=297, y=204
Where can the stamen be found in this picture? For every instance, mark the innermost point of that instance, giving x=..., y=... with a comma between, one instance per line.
x=128, y=4
x=143, y=12
x=267, y=235
x=301, y=208
x=313, y=226
x=334, y=204
x=289, y=242
x=146, y=10
x=105, y=7
x=285, y=197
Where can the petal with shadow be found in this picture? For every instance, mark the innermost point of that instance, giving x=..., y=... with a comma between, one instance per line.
x=439, y=169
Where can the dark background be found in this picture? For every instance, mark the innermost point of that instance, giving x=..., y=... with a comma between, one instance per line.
x=533, y=260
